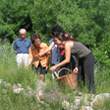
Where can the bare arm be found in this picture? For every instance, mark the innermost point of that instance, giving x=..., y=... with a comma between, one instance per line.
x=15, y=52
x=29, y=62
x=76, y=68
x=67, y=56
x=47, y=49
x=47, y=62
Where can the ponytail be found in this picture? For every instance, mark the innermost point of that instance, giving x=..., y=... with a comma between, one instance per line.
x=65, y=37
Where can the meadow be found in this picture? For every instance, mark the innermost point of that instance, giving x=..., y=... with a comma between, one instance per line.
x=9, y=73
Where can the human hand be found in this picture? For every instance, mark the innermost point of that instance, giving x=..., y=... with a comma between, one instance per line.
x=47, y=68
x=75, y=70
x=52, y=68
x=40, y=54
x=26, y=67
x=15, y=52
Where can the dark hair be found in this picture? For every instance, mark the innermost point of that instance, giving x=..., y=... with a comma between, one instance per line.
x=35, y=36
x=56, y=30
x=61, y=36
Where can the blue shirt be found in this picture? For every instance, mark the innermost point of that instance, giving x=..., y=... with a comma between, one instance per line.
x=55, y=53
x=22, y=47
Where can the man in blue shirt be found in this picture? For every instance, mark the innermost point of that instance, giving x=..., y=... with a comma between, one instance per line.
x=21, y=48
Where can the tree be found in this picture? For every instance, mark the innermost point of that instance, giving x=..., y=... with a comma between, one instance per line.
x=14, y=14
x=67, y=14
x=86, y=20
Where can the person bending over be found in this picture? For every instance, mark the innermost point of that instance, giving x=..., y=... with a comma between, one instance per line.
x=40, y=63
x=85, y=67
x=71, y=65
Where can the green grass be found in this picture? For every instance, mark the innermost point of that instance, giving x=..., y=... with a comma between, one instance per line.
x=11, y=74
x=103, y=105
x=102, y=79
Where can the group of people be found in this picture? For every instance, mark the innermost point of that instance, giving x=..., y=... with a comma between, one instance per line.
x=66, y=51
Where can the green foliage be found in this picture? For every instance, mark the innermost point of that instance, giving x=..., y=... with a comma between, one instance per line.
x=11, y=101
x=9, y=73
x=14, y=15
x=86, y=20
x=102, y=104
x=102, y=52
x=66, y=14
x=9, y=70
x=102, y=78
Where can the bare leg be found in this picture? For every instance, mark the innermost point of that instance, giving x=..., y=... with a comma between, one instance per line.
x=42, y=77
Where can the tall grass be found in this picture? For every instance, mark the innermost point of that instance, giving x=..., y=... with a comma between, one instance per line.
x=8, y=68
x=102, y=78
x=9, y=73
